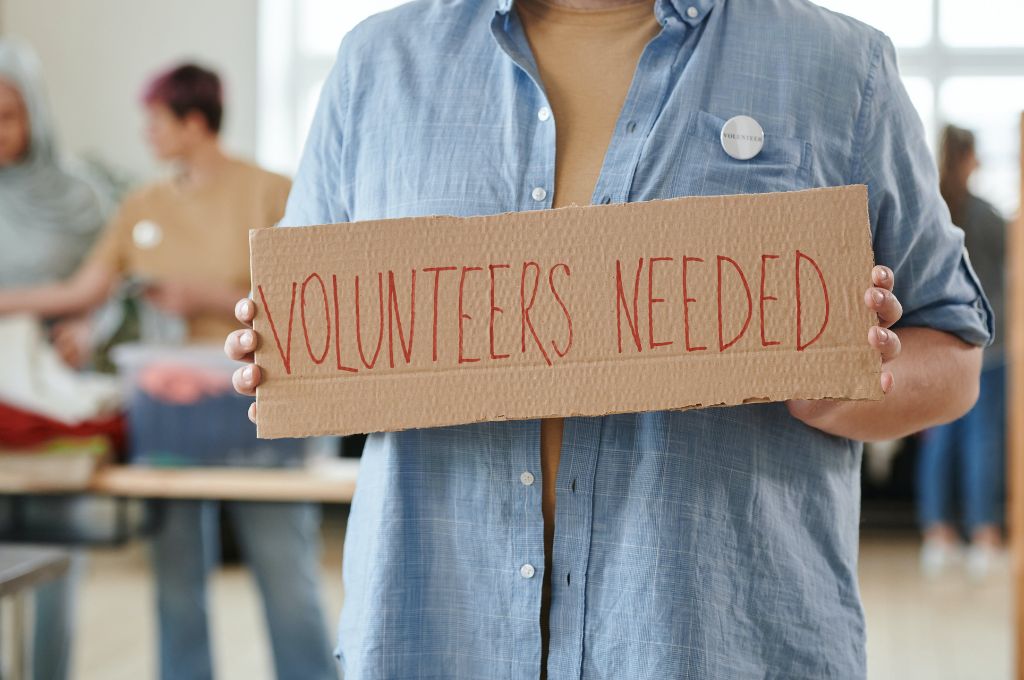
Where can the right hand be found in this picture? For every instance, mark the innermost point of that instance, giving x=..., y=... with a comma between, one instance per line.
x=240, y=345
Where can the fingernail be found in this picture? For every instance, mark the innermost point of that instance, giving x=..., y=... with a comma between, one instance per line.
x=883, y=335
x=247, y=339
x=883, y=273
x=877, y=297
x=247, y=374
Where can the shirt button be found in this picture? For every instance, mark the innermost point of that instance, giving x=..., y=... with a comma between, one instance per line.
x=631, y=126
x=526, y=478
x=544, y=113
x=692, y=12
x=539, y=193
x=605, y=200
x=527, y=571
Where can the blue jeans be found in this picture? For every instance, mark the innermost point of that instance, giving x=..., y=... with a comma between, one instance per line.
x=280, y=542
x=971, y=452
x=51, y=640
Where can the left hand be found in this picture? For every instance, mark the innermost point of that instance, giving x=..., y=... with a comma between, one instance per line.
x=178, y=296
x=72, y=338
x=879, y=299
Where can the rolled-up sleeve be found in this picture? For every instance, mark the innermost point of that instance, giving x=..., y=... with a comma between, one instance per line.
x=912, y=230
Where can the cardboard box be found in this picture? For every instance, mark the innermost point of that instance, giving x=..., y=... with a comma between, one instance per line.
x=683, y=303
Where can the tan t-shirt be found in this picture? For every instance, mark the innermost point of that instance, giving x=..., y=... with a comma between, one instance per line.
x=167, y=232
x=586, y=60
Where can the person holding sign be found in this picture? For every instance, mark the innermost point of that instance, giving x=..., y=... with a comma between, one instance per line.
x=715, y=543
x=184, y=239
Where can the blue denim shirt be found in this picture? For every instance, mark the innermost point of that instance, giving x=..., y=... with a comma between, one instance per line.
x=717, y=543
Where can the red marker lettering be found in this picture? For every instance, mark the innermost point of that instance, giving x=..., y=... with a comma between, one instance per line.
x=722, y=345
x=462, y=281
x=621, y=306
x=327, y=319
x=395, y=318
x=337, y=329
x=437, y=279
x=561, y=303
x=495, y=310
x=286, y=354
x=380, y=324
x=524, y=308
x=762, y=298
x=651, y=301
x=800, y=347
x=686, y=308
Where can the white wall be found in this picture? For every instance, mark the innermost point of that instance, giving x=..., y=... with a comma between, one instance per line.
x=97, y=55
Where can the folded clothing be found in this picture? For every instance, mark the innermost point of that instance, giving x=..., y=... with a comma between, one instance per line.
x=33, y=378
x=21, y=429
x=177, y=383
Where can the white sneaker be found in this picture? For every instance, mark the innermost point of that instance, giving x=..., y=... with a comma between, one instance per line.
x=982, y=560
x=937, y=556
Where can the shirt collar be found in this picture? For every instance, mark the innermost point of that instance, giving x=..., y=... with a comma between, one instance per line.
x=690, y=11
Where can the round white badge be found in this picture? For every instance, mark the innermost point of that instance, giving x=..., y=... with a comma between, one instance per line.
x=742, y=137
x=147, y=234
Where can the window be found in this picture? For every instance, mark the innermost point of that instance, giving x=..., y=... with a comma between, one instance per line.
x=922, y=96
x=907, y=22
x=962, y=63
x=982, y=23
x=297, y=44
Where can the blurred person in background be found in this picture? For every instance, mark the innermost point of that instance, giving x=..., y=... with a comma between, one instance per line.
x=969, y=452
x=186, y=238
x=50, y=214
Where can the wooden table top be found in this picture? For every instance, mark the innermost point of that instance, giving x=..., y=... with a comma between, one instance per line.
x=326, y=481
x=332, y=482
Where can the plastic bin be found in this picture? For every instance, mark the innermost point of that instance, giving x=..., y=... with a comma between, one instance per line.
x=183, y=411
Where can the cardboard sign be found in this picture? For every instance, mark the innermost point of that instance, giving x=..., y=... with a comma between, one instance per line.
x=683, y=303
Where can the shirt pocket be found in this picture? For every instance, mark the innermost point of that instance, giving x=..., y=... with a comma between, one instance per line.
x=783, y=164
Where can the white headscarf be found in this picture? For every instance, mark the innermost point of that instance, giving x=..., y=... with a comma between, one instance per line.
x=49, y=215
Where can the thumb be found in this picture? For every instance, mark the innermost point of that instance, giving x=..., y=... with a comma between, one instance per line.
x=809, y=409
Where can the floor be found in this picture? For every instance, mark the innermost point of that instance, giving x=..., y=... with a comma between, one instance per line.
x=943, y=629
x=117, y=632
x=946, y=628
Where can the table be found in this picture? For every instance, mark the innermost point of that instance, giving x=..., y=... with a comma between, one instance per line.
x=324, y=481
x=327, y=480
x=22, y=568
